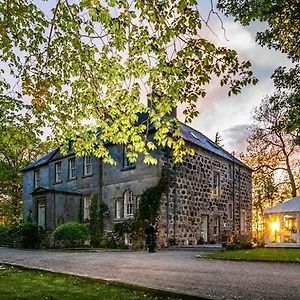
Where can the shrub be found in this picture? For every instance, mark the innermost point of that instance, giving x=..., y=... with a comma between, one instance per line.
x=71, y=234
x=4, y=235
x=25, y=235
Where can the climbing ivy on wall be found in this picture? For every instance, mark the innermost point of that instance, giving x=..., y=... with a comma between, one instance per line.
x=149, y=205
x=97, y=215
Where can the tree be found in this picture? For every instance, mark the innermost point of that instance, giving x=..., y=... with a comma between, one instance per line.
x=282, y=34
x=88, y=65
x=218, y=139
x=19, y=145
x=270, y=136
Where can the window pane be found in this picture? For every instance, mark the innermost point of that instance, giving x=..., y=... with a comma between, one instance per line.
x=86, y=207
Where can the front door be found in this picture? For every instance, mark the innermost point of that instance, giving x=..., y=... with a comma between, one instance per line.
x=41, y=214
x=204, y=229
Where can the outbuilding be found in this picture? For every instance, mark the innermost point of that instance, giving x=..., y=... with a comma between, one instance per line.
x=283, y=224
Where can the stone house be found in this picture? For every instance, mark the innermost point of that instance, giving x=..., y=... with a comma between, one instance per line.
x=208, y=198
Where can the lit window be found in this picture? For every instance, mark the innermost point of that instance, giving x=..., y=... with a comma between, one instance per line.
x=128, y=204
x=86, y=207
x=36, y=178
x=87, y=165
x=72, y=168
x=118, y=209
x=58, y=172
x=216, y=184
x=126, y=162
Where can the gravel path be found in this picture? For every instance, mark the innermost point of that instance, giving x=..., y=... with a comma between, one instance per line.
x=177, y=271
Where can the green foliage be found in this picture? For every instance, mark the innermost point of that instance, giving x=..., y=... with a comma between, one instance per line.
x=87, y=65
x=25, y=235
x=71, y=234
x=149, y=206
x=243, y=245
x=19, y=145
x=282, y=18
x=4, y=235
x=97, y=220
x=282, y=34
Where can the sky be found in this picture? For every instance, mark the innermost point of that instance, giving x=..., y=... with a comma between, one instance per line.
x=232, y=116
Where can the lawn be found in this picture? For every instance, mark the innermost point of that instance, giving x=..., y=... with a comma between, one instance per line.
x=19, y=283
x=259, y=254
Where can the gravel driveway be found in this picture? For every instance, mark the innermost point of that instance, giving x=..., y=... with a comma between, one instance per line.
x=177, y=271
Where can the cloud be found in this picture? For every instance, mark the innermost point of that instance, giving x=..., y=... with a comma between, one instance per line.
x=236, y=137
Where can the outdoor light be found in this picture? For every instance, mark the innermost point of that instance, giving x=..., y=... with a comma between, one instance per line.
x=275, y=225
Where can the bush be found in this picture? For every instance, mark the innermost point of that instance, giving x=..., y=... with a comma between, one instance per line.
x=4, y=235
x=25, y=235
x=71, y=234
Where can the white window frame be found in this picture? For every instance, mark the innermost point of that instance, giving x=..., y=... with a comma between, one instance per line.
x=58, y=172
x=216, y=226
x=216, y=184
x=118, y=209
x=87, y=200
x=128, y=239
x=128, y=204
x=72, y=168
x=36, y=178
x=87, y=165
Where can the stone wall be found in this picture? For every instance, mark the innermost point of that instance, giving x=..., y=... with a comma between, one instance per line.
x=192, y=214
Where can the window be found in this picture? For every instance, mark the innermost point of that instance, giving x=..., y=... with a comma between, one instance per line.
x=126, y=163
x=58, y=172
x=72, y=168
x=243, y=221
x=229, y=211
x=216, y=184
x=128, y=204
x=36, y=178
x=216, y=225
x=230, y=174
x=87, y=165
x=128, y=239
x=86, y=207
x=118, y=209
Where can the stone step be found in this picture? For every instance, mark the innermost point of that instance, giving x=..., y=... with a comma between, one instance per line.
x=205, y=247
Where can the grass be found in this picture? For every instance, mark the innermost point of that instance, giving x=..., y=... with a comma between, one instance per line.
x=259, y=254
x=20, y=283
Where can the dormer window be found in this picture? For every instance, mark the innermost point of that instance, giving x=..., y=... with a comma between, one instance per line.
x=36, y=178
x=72, y=168
x=87, y=166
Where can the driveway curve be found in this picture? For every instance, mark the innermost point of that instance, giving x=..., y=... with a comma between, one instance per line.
x=178, y=271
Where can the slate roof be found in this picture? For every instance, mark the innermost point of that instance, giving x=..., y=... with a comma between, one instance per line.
x=42, y=161
x=197, y=138
x=188, y=133
x=288, y=206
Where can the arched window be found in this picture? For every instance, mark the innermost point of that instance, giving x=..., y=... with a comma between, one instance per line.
x=128, y=204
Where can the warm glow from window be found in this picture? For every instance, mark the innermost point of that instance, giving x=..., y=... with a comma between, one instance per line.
x=275, y=225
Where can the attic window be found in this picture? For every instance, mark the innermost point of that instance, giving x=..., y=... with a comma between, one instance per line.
x=194, y=136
